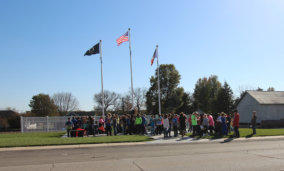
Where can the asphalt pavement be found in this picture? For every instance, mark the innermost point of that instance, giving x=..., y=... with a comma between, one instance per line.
x=225, y=155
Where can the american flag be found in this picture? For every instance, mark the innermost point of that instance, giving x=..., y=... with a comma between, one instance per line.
x=121, y=39
x=154, y=56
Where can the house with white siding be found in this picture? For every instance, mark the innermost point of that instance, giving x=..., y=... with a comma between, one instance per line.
x=269, y=106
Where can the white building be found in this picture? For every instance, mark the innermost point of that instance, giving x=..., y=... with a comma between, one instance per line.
x=269, y=105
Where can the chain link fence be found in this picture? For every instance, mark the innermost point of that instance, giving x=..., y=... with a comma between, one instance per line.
x=45, y=124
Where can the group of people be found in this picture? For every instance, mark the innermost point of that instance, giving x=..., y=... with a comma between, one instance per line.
x=220, y=125
x=124, y=124
x=80, y=126
x=198, y=124
x=112, y=124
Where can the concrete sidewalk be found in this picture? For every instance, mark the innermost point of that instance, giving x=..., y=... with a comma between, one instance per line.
x=159, y=139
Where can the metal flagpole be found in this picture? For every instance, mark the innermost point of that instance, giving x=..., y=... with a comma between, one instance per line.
x=159, y=93
x=103, y=95
x=132, y=91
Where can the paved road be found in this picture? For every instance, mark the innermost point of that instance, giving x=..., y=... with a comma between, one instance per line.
x=257, y=155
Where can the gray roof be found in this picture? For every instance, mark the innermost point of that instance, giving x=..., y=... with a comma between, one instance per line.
x=268, y=97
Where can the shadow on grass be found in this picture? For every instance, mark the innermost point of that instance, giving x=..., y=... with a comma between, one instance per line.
x=184, y=138
x=214, y=137
x=249, y=136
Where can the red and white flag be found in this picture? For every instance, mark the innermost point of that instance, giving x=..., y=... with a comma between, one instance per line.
x=121, y=39
x=154, y=56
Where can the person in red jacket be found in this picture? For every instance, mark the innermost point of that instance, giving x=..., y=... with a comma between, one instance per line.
x=236, y=123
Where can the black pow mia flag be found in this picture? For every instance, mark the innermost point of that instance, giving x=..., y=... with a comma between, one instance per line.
x=94, y=50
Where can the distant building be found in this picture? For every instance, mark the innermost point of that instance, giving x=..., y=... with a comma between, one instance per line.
x=269, y=106
x=7, y=113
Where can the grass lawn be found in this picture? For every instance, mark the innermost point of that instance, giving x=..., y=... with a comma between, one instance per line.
x=54, y=138
x=246, y=132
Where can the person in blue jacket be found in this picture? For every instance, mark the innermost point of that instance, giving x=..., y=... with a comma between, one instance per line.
x=175, y=125
x=143, y=125
x=224, y=125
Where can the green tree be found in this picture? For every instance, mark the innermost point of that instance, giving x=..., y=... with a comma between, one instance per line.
x=171, y=94
x=205, y=93
x=187, y=105
x=224, y=100
x=42, y=105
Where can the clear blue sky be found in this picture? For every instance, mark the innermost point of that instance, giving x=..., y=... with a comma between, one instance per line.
x=42, y=45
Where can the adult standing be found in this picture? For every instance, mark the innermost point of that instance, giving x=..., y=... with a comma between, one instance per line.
x=194, y=124
x=152, y=124
x=108, y=125
x=101, y=125
x=143, y=125
x=228, y=121
x=159, y=125
x=182, y=120
x=132, y=124
x=189, y=124
x=224, y=124
x=128, y=124
x=90, y=126
x=74, y=121
x=114, y=124
x=170, y=117
x=166, y=126
x=123, y=124
x=236, y=123
x=205, y=124
x=253, y=122
x=68, y=126
x=211, y=124
x=175, y=125
x=138, y=124
x=199, y=126
x=218, y=125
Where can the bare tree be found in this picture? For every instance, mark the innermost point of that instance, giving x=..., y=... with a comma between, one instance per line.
x=110, y=99
x=139, y=98
x=65, y=102
x=126, y=103
x=117, y=103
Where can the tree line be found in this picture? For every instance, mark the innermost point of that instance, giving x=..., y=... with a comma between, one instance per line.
x=63, y=103
x=56, y=105
x=209, y=95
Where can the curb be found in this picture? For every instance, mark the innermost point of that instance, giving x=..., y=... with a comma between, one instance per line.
x=154, y=142
x=53, y=147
